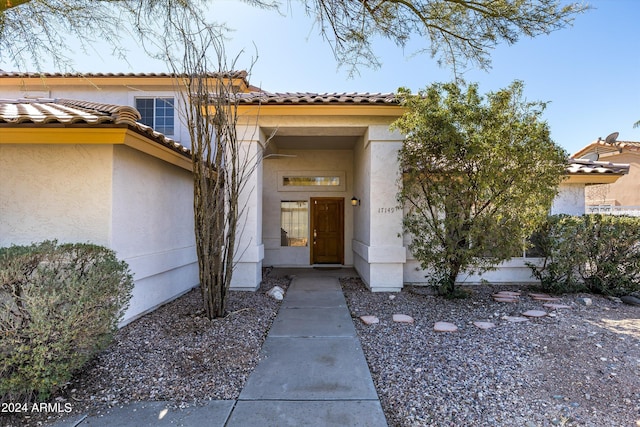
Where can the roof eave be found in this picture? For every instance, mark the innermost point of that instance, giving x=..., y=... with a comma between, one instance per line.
x=592, y=179
x=380, y=110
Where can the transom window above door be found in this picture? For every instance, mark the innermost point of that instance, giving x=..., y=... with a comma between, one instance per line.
x=157, y=113
x=311, y=180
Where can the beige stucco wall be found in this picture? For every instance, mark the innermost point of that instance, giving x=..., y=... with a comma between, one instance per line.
x=379, y=253
x=305, y=161
x=152, y=227
x=58, y=192
x=625, y=191
x=569, y=200
x=249, y=250
x=109, y=195
x=362, y=217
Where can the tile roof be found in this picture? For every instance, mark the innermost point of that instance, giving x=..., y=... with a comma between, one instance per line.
x=230, y=74
x=583, y=166
x=633, y=145
x=43, y=112
x=601, y=146
x=289, y=98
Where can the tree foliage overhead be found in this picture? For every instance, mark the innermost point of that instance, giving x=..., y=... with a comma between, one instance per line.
x=454, y=31
x=479, y=174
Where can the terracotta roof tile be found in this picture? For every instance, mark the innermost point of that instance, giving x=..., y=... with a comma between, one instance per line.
x=583, y=166
x=633, y=145
x=601, y=146
x=316, y=98
x=42, y=112
x=232, y=74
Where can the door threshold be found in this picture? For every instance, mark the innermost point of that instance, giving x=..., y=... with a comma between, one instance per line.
x=327, y=266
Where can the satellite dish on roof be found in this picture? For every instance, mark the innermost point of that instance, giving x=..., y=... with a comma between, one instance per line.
x=591, y=156
x=611, y=138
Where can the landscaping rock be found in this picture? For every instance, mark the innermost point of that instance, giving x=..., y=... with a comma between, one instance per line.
x=276, y=293
x=555, y=306
x=402, y=318
x=631, y=300
x=485, y=325
x=515, y=319
x=534, y=313
x=534, y=295
x=505, y=299
x=369, y=320
x=548, y=299
x=444, y=327
x=508, y=293
x=585, y=301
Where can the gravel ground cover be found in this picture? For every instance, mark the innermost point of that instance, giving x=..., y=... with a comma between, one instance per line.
x=575, y=367
x=173, y=354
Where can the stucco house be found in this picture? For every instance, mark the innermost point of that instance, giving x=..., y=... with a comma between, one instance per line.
x=88, y=172
x=323, y=191
x=623, y=195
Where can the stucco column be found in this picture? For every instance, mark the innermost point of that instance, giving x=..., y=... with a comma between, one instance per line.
x=381, y=253
x=247, y=273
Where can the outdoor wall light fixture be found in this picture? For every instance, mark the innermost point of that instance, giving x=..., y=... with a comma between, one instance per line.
x=355, y=201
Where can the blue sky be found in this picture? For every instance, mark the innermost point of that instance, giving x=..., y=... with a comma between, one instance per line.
x=590, y=72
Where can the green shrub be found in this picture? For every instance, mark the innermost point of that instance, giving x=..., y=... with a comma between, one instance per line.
x=555, y=242
x=598, y=253
x=59, y=306
x=610, y=247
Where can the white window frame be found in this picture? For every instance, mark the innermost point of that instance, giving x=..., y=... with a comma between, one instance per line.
x=155, y=99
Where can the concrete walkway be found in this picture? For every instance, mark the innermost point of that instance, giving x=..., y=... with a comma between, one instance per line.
x=312, y=371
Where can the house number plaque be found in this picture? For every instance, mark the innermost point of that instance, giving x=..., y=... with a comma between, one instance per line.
x=387, y=210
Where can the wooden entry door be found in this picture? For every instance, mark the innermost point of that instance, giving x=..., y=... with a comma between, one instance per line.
x=327, y=230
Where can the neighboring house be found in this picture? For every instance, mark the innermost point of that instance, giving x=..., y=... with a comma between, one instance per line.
x=324, y=192
x=623, y=195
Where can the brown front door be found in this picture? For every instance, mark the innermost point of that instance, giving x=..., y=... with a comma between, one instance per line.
x=327, y=230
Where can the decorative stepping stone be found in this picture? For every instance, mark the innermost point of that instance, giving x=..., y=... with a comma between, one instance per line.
x=515, y=319
x=444, y=327
x=535, y=313
x=509, y=293
x=555, y=306
x=484, y=325
x=548, y=299
x=402, y=318
x=369, y=320
x=498, y=299
x=539, y=295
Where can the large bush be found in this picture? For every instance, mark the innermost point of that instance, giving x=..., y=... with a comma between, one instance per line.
x=599, y=253
x=59, y=306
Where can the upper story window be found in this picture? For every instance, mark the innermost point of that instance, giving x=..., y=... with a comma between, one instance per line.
x=157, y=113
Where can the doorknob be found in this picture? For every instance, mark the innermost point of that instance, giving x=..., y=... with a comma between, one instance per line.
x=315, y=234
